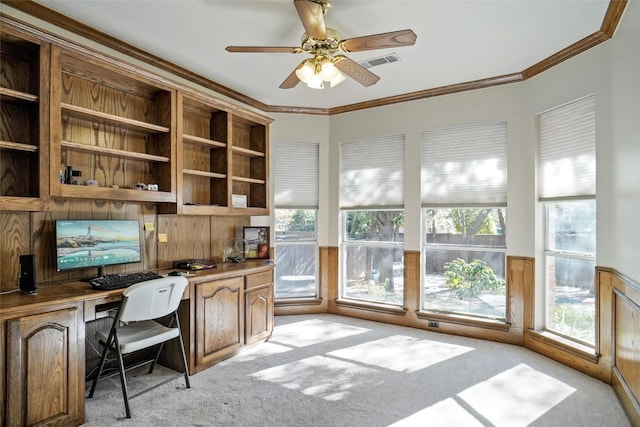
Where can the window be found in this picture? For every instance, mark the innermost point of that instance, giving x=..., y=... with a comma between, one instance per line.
x=567, y=191
x=371, y=201
x=296, y=203
x=464, y=194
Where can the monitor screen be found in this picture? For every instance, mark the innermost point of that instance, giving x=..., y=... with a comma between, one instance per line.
x=96, y=243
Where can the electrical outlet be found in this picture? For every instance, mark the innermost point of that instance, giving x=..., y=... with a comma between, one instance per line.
x=434, y=324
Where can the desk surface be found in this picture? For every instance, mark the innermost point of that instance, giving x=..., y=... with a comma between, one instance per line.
x=76, y=291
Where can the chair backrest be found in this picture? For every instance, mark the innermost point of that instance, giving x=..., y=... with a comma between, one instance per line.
x=152, y=299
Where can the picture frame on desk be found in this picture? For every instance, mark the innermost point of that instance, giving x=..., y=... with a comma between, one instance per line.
x=257, y=242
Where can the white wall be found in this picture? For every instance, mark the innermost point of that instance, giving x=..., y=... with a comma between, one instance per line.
x=624, y=221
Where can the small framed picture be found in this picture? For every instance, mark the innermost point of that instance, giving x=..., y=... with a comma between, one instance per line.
x=257, y=242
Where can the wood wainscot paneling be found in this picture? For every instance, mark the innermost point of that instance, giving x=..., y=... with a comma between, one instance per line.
x=15, y=226
x=620, y=337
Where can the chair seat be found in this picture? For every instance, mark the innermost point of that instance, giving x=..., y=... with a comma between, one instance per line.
x=136, y=336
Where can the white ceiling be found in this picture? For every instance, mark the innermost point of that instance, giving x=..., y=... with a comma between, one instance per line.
x=457, y=40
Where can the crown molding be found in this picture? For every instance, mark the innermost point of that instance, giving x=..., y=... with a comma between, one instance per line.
x=607, y=29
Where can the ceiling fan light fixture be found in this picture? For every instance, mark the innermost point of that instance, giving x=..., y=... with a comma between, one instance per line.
x=328, y=71
x=339, y=78
x=316, y=82
x=306, y=71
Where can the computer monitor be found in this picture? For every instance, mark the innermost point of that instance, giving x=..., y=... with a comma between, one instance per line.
x=97, y=243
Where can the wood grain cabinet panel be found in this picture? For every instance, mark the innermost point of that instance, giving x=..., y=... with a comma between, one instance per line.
x=45, y=369
x=259, y=306
x=219, y=320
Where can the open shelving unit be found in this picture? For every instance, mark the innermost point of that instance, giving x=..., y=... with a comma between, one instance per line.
x=220, y=153
x=116, y=127
x=67, y=108
x=23, y=102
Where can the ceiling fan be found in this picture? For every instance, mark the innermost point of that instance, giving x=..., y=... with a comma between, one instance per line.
x=324, y=44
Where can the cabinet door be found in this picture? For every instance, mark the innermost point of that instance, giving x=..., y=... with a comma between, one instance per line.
x=45, y=369
x=259, y=314
x=219, y=320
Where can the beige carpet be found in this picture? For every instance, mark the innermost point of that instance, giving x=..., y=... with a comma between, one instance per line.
x=326, y=370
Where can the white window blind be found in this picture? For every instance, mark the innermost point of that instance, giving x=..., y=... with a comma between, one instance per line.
x=465, y=165
x=372, y=172
x=296, y=175
x=568, y=150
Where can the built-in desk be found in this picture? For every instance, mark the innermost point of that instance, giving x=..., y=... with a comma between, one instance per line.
x=42, y=362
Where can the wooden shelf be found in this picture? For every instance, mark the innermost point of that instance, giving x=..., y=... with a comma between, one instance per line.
x=113, y=152
x=16, y=146
x=204, y=173
x=203, y=141
x=249, y=180
x=87, y=192
x=16, y=95
x=247, y=152
x=98, y=116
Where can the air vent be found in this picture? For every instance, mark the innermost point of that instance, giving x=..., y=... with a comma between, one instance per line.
x=393, y=57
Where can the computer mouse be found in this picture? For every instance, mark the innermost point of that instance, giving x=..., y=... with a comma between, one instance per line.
x=175, y=273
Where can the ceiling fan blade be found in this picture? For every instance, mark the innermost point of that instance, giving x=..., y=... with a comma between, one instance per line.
x=312, y=17
x=356, y=71
x=380, y=41
x=292, y=79
x=261, y=49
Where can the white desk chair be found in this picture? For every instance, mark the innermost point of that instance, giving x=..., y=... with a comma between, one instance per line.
x=135, y=328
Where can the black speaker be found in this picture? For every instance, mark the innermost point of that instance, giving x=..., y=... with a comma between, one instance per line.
x=28, y=274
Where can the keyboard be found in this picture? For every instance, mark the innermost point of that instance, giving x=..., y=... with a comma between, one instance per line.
x=119, y=281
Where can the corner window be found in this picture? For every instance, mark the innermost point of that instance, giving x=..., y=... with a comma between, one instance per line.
x=296, y=253
x=296, y=207
x=464, y=198
x=372, y=256
x=567, y=185
x=371, y=201
x=570, y=269
x=464, y=261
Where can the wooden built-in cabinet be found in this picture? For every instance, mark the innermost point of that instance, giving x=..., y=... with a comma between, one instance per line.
x=24, y=108
x=219, y=320
x=225, y=315
x=250, y=164
x=45, y=368
x=259, y=306
x=114, y=127
x=222, y=152
x=120, y=126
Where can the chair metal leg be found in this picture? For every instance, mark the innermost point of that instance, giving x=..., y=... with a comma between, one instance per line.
x=123, y=378
x=155, y=359
x=103, y=359
x=183, y=354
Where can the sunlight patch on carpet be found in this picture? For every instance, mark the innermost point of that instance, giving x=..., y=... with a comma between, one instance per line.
x=313, y=331
x=447, y=413
x=323, y=377
x=401, y=353
x=516, y=397
x=253, y=353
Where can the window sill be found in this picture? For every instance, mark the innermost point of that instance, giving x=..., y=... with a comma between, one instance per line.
x=574, y=348
x=286, y=302
x=372, y=306
x=459, y=319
